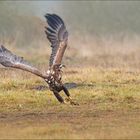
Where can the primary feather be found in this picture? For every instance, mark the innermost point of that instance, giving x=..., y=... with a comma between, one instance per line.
x=8, y=59
x=56, y=33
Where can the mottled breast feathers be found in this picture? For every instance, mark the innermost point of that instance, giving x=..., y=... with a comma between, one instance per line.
x=58, y=36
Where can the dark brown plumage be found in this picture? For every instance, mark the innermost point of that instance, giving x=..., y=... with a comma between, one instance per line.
x=8, y=59
x=58, y=36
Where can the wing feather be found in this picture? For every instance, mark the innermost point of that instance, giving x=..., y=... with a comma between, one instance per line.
x=57, y=34
x=8, y=59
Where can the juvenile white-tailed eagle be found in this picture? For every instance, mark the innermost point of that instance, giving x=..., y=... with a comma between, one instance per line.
x=57, y=34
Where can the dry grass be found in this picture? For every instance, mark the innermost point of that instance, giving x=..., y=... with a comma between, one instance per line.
x=106, y=71
x=120, y=51
x=109, y=106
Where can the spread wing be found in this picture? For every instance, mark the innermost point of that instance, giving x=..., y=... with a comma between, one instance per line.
x=8, y=59
x=58, y=37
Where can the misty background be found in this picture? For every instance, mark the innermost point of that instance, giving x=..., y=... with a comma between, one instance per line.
x=108, y=30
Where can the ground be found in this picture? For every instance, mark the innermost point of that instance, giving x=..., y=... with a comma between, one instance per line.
x=109, y=105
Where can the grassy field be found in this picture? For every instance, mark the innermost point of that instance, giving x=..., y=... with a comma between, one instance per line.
x=102, y=58
x=109, y=105
x=106, y=71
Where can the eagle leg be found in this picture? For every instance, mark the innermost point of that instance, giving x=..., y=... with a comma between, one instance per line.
x=59, y=98
x=66, y=91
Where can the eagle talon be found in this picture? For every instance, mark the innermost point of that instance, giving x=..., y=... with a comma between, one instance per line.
x=65, y=102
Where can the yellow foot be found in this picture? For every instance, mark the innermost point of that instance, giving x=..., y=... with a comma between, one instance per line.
x=71, y=101
x=65, y=102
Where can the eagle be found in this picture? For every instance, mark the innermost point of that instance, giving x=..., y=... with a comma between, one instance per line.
x=57, y=35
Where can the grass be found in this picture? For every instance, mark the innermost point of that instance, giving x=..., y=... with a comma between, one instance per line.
x=109, y=106
x=106, y=70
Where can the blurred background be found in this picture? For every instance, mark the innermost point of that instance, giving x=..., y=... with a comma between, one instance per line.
x=101, y=34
